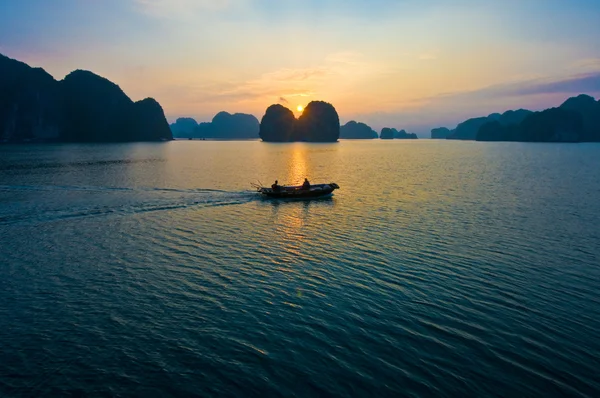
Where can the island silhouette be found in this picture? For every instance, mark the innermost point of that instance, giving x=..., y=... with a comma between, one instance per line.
x=388, y=133
x=319, y=122
x=83, y=107
x=357, y=130
x=224, y=126
x=575, y=120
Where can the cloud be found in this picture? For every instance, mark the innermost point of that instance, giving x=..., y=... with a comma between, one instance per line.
x=283, y=84
x=577, y=84
x=588, y=83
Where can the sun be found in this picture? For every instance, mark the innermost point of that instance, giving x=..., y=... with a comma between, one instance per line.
x=300, y=108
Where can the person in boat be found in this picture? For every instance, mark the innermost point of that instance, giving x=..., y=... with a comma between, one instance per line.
x=275, y=187
x=306, y=184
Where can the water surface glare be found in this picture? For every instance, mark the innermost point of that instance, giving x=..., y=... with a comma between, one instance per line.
x=438, y=269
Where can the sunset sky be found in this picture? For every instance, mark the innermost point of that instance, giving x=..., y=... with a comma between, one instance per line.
x=412, y=64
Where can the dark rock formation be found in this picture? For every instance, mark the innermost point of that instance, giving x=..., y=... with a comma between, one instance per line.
x=513, y=117
x=469, y=129
x=224, y=126
x=83, y=107
x=30, y=103
x=184, y=127
x=96, y=109
x=552, y=125
x=403, y=135
x=589, y=110
x=319, y=122
x=204, y=129
x=496, y=131
x=237, y=126
x=440, y=133
x=388, y=133
x=357, y=130
x=149, y=121
x=277, y=125
x=492, y=131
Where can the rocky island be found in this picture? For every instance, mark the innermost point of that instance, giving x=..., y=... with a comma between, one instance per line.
x=319, y=122
x=357, y=130
x=440, y=133
x=83, y=107
x=388, y=133
x=576, y=120
x=224, y=126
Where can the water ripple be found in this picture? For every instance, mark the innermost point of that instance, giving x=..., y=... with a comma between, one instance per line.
x=438, y=270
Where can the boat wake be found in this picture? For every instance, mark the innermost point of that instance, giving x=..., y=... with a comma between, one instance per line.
x=95, y=201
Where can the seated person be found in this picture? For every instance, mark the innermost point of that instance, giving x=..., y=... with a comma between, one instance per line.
x=306, y=184
x=275, y=187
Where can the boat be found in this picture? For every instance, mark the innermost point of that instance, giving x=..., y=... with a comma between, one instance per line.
x=298, y=191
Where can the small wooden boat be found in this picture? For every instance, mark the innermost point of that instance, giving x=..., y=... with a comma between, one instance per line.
x=298, y=192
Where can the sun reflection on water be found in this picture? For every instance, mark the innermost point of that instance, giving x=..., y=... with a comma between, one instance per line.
x=297, y=165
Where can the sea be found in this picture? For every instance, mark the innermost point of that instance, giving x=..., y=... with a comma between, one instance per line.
x=438, y=269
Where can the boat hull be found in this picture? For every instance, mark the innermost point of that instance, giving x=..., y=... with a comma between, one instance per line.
x=287, y=192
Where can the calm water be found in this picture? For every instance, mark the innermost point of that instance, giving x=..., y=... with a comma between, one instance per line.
x=438, y=269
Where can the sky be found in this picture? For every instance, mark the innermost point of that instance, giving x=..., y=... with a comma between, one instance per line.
x=411, y=64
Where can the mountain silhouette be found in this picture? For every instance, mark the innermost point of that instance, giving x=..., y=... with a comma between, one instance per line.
x=551, y=125
x=224, y=126
x=184, y=127
x=388, y=133
x=150, y=123
x=30, y=103
x=357, y=130
x=576, y=120
x=589, y=109
x=440, y=133
x=83, y=107
x=403, y=135
x=319, y=122
x=277, y=125
x=468, y=129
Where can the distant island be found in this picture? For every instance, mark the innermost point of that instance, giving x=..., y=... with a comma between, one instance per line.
x=83, y=107
x=388, y=133
x=576, y=120
x=319, y=122
x=224, y=126
x=440, y=133
x=357, y=131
